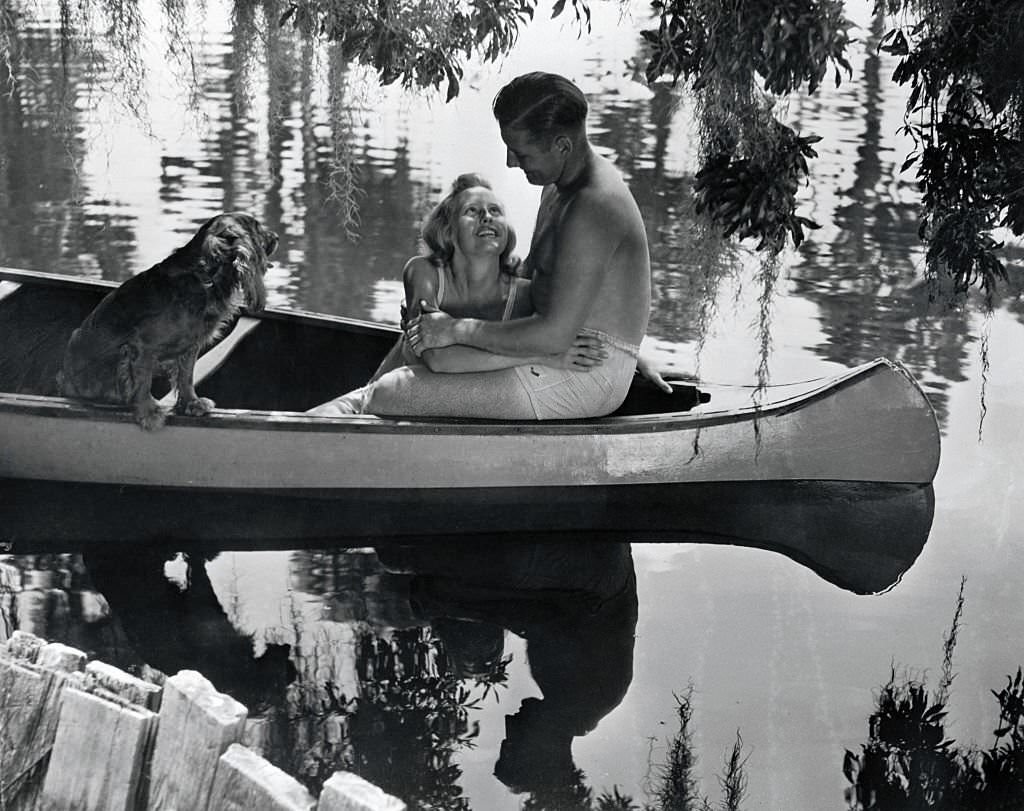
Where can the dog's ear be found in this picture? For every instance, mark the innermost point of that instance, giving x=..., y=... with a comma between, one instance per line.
x=218, y=244
x=233, y=254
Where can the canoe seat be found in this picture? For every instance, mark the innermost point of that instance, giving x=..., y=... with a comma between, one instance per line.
x=646, y=398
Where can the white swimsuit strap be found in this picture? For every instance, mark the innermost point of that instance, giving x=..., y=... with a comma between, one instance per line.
x=440, y=285
x=510, y=299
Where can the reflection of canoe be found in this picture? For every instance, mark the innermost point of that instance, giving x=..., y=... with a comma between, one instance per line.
x=871, y=423
x=860, y=536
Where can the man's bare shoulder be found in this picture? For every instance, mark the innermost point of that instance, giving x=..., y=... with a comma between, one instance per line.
x=607, y=203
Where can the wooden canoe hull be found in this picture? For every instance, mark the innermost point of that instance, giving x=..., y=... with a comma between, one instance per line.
x=871, y=424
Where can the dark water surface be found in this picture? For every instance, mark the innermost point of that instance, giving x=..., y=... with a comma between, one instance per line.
x=785, y=606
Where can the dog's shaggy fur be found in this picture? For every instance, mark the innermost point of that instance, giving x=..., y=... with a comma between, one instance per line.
x=161, y=319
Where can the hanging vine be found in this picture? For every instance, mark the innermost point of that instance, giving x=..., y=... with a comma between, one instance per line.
x=420, y=43
x=965, y=113
x=737, y=56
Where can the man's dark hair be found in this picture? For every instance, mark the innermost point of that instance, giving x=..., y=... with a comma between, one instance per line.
x=543, y=104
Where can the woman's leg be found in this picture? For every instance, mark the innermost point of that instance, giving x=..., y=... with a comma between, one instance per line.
x=415, y=391
x=349, y=403
x=400, y=355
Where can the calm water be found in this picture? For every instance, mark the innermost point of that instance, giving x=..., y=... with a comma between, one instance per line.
x=789, y=653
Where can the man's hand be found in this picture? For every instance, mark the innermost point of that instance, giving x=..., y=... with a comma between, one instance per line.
x=431, y=329
x=645, y=367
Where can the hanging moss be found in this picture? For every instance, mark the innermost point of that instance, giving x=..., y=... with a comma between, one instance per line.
x=965, y=113
x=736, y=57
x=419, y=43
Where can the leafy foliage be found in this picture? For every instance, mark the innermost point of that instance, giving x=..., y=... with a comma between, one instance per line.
x=734, y=53
x=965, y=112
x=411, y=718
x=786, y=42
x=419, y=43
x=908, y=763
x=753, y=199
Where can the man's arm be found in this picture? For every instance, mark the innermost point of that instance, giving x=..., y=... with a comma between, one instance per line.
x=587, y=237
x=586, y=352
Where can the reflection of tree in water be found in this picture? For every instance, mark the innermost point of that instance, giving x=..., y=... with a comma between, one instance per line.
x=688, y=261
x=576, y=608
x=379, y=691
x=39, y=156
x=51, y=596
x=274, y=112
x=865, y=282
x=910, y=761
x=411, y=718
x=429, y=626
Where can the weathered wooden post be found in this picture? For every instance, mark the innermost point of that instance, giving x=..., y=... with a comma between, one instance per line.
x=102, y=742
x=86, y=737
x=345, y=791
x=246, y=781
x=197, y=724
x=32, y=676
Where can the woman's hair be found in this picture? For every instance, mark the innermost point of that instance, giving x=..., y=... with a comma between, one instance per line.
x=437, y=233
x=542, y=104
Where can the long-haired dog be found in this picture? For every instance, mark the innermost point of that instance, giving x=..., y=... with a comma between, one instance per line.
x=161, y=319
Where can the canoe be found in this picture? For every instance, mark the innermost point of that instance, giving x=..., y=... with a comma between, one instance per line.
x=872, y=423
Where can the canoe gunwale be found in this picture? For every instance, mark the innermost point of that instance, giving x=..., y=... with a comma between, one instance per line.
x=323, y=320
x=284, y=420
x=64, y=408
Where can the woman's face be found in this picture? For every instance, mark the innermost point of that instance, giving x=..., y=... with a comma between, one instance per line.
x=480, y=225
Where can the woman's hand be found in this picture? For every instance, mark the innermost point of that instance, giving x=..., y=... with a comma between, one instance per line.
x=586, y=352
x=431, y=329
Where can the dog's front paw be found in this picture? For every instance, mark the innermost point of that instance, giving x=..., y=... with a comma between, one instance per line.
x=199, y=407
x=151, y=417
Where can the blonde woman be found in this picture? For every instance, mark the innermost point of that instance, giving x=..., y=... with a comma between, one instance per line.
x=467, y=269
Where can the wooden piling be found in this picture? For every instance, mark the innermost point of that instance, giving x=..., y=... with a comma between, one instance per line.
x=245, y=781
x=23, y=645
x=345, y=791
x=86, y=737
x=109, y=679
x=98, y=754
x=61, y=658
x=30, y=697
x=197, y=724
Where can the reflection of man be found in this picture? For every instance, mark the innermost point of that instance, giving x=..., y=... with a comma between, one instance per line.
x=590, y=266
x=575, y=606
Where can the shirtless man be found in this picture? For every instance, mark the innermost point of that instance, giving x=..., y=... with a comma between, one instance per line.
x=591, y=274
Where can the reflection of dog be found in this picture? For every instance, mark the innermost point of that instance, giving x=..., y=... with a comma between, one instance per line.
x=164, y=317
